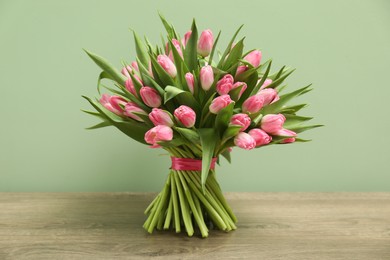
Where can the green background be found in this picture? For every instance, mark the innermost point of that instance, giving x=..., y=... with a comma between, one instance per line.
x=342, y=47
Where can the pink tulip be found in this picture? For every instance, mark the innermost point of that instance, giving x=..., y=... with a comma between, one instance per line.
x=242, y=120
x=130, y=87
x=126, y=70
x=272, y=123
x=286, y=132
x=239, y=84
x=150, y=96
x=254, y=58
x=261, y=137
x=167, y=65
x=187, y=36
x=113, y=103
x=177, y=46
x=253, y=104
x=241, y=69
x=266, y=83
x=157, y=134
x=206, y=77
x=205, y=44
x=219, y=103
x=225, y=84
x=160, y=117
x=190, y=81
x=269, y=95
x=245, y=141
x=131, y=108
x=185, y=115
x=134, y=64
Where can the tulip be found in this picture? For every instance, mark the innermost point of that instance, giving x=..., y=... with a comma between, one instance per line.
x=186, y=38
x=206, y=77
x=131, y=108
x=286, y=132
x=130, y=87
x=242, y=120
x=253, y=104
x=254, y=58
x=126, y=70
x=269, y=95
x=260, y=136
x=160, y=117
x=266, y=83
x=244, y=141
x=225, y=84
x=134, y=64
x=243, y=88
x=190, y=81
x=177, y=46
x=241, y=69
x=113, y=103
x=167, y=65
x=205, y=44
x=219, y=103
x=185, y=115
x=272, y=123
x=157, y=134
x=150, y=96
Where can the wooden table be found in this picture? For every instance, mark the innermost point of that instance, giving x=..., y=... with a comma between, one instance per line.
x=271, y=226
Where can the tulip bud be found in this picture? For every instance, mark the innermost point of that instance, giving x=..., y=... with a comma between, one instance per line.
x=253, y=104
x=206, y=77
x=185, y=115
x=167, y=65
x=225, y=84
x=242, y=120
x=245, y=141
x=190, y=81
x=186, y=38
x=266, y=83
x=131, y=108
x=157, y=134
x=272, y=123
x=219, y=103
x=205, y=44
x=286, y=132
x=243, y=88
x=126, y=70
x=261, y=137
x=177, y=46
x=254, y=58
x=150, y=96
x=113, y=103
x=269, y=95
x=241, y=69
x=160, y=117
x=130, y=87
x=134, y=64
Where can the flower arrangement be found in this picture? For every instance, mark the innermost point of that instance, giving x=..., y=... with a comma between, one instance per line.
x=181, y=98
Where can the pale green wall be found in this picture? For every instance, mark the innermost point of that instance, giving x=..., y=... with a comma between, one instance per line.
x=343, y=47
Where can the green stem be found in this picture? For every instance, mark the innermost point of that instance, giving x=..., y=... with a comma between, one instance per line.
x=159, y=207
x=169, y=213
x=184, y=208
x=175, y=203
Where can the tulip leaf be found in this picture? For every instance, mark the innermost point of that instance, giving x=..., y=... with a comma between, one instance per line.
x=142, y=53
x=144, y=73
x=276, y=107
x=107, y=67
x=173, y=143
x=223, y=119
x=190, y=51
x=228, y=48
x=230, y=132
x=168, y=27
x=293, y=109
x=213, y=49
x=164, y=77
x=133, y=129
x=261, y=82
x=188, y=134
x=102, y=75
x=280, y=80
x=300, y=129
x=226, y=153
x=100, y=125
x=231, y=62
x=235, y=93
x=208, y=142
x=183, y=97
x=293, y=120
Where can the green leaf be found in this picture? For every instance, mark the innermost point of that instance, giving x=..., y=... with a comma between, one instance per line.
x=102, y=75
x=300, y=129
x=293, y=109
x=228, y=48
x=167, y=26
x=227, y=155
x=93, y=113
x=188, y=134
x=142, y=53
x=173, y=143
x=280, y=80
x=213, y=49
x=208, y=142
x=100, y=125
x=190, y=52
x=183, y=97
x=235, y=93
x=261, y=82
x=235, y=55
x=133, y=129
x=294, y=120
x=164, y=77
x=107, y=67
x=230, y=132
x=223, y=119
x=275, y=108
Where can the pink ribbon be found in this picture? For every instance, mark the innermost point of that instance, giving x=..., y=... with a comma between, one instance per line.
x=188, y=164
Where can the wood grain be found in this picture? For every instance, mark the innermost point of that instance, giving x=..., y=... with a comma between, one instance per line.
x=271, y=226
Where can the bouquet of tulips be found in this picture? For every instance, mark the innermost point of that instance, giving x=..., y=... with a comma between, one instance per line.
x=182, y=98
